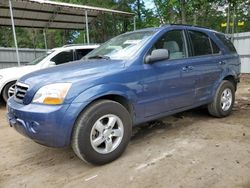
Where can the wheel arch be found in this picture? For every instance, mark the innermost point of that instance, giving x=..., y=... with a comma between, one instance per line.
x=114, y=92
x=230, y=76
x=232, y=79
x=119, y=99
x=118, y=93
x=124, y=101
x=3, y=86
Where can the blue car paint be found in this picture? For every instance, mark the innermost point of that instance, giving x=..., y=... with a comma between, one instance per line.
x=153, y=90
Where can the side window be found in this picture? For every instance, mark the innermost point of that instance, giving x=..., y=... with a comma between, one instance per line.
x=80, y=53
x=174, y=42
x=216, y=49
x=63, y=57
x=200, y=42
x=226, y=41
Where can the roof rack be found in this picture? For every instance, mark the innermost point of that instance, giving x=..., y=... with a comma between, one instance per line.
x=185, y=25
x=69, y=45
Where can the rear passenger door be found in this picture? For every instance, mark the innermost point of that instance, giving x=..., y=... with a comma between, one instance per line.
x=205, y=57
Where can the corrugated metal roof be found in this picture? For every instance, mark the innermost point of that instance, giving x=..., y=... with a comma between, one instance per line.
x=50, y=14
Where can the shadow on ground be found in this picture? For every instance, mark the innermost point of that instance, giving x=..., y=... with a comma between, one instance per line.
x=169, y=122
x=2, y=104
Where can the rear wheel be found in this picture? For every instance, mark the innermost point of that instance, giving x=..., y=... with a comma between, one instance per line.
x=102, y=132
x=224, y=100
x=8, y=90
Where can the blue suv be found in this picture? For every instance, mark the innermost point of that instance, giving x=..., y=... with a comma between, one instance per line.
x=133, y=78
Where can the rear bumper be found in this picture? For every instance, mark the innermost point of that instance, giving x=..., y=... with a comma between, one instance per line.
x=238, y=79
x=49, y=125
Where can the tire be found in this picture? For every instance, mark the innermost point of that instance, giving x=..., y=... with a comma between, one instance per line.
x=5, y=93
x=94, y=123
x=225, y=94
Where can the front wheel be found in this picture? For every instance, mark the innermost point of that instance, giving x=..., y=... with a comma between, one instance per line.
x=102, y=132
x=223, y=101
x=8, y=90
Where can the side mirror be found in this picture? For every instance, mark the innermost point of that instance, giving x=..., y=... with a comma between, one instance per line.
x=52, y=64
x=157, y=55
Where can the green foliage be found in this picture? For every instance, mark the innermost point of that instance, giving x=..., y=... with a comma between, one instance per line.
x=208, y=13
x=6, y=37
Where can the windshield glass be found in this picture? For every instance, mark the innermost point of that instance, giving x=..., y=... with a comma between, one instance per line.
x=39, y=59
x=121, y=47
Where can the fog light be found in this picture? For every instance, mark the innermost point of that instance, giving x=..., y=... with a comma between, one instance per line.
x=33, y=126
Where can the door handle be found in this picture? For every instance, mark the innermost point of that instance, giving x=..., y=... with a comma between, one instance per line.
x=187, y=68
x=222, y=62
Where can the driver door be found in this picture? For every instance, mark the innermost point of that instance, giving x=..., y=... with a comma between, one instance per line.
x=170, y=83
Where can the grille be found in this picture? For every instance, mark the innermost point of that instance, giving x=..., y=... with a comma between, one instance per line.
x=20, y=91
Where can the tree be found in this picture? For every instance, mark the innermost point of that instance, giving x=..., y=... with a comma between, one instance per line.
x=208, y=13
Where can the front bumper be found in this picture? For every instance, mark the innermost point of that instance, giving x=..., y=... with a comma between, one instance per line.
x=49, y=125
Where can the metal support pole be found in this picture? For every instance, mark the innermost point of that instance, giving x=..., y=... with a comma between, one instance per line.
x=14, y=32
x=228, y=19
x=233, y=22
x=45, y=40
x=84, y=38
x=134, y=23
x=87, y=25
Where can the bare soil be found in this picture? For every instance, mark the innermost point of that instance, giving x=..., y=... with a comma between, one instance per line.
x=190, y=149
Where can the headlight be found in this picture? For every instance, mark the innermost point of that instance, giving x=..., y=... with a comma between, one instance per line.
x=52, y=93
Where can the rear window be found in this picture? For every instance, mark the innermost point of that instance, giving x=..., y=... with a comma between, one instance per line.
x=216, y=49
x=227, y=42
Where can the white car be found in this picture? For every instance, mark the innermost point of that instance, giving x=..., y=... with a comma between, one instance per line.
x=56, y=56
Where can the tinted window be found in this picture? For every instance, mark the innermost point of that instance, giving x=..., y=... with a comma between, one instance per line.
x=80, y=53
x=173, y=41
x=200, y=42
x=216, y=49
x=226, y=41
x=63, y=57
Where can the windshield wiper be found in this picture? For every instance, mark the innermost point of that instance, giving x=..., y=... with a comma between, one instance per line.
x=99, y=57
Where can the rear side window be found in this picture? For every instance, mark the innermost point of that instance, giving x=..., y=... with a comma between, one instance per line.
x=80, y=53
x=63, y=57
x=200, y=43
x=226, y=41
x=216, y=49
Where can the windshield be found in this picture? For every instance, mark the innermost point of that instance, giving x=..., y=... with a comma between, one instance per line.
x=121, y=47
x=39, y=59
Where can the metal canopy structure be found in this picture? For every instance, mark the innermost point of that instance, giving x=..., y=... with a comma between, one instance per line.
x=47, y=14
x=50, y=14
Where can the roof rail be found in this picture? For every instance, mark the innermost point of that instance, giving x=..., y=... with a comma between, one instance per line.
x=185, y=25
x=69, y=45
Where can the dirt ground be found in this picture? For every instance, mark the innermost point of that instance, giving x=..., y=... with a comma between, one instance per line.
x=190, y=149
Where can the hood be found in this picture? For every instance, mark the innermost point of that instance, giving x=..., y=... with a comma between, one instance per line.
x=72, y=72
x=82, y=74
x=17, y=71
